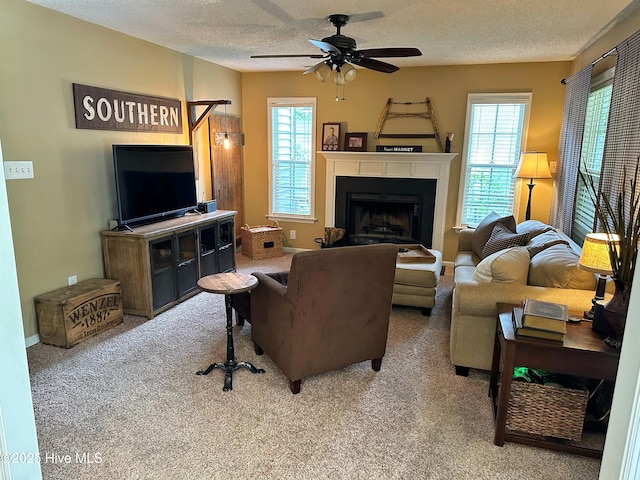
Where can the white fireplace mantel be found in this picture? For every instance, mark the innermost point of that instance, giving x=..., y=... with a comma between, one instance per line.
x=392, y=165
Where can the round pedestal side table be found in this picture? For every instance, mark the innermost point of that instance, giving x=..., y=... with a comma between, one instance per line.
x=228, y=284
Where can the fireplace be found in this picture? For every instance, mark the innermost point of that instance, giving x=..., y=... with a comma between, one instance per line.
x=376, y=210
x=433, y=166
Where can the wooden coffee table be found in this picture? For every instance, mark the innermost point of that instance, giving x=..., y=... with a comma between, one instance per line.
x=229, y=284
x=582, y=353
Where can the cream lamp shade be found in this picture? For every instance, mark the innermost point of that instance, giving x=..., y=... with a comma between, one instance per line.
x=595, y=253
x=533, y=165
x=595, y=258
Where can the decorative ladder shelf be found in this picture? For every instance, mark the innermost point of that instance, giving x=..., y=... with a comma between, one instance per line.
x=428, y=115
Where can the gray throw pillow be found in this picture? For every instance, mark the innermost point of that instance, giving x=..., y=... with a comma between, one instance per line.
x=502, y=238
x=557, y=266
x=483, y=231
x=533, y=227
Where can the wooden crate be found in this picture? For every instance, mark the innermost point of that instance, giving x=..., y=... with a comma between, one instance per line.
x=264, y=241
x=72, y=314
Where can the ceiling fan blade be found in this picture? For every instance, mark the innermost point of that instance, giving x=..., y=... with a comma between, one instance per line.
x=375, y=65
x=313, y=55
x=390, y=52
x=365, y=16
x=324, y=46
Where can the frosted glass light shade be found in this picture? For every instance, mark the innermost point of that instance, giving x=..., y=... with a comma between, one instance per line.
x=322, y=71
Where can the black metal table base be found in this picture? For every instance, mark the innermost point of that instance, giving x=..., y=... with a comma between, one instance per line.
x=230, y=365
x=229, y=368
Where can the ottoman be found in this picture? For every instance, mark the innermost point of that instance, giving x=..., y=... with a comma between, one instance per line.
x=415, y=283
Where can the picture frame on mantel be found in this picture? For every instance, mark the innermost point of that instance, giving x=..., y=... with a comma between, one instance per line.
x=330, y=136
x=355, y=142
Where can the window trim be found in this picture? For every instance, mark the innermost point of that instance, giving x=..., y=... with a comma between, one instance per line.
x=488, y=98
x=292, y=102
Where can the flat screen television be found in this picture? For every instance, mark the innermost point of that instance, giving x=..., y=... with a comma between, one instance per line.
x=153, y=182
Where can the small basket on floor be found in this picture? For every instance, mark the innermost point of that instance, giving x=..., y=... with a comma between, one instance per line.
x=547, y=410
x=263, y=241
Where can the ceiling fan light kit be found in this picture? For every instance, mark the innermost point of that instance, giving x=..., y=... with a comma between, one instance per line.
x=341, y=52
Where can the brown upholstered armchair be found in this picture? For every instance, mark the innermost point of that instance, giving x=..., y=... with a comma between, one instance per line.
x=333, y=312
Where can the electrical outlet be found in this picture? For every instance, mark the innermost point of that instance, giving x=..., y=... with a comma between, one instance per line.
x=292, y=234
x=18, y=170
x=73, y=279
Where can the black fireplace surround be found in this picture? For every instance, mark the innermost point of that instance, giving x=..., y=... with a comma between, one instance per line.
x=379, y=210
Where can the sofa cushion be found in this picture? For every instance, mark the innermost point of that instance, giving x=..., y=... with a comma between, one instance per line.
x=463, y=274
x=557, y=266
x=502, y=238
x=543, y=241
x=466, y=258
x=533, y=228
x=510, y=265
x=483, y=231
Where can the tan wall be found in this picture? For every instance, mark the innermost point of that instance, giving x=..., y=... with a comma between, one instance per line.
x=56, y=217
x=623, y=30
x=446, y=86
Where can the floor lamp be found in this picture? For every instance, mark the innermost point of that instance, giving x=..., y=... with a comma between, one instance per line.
x=532, y=165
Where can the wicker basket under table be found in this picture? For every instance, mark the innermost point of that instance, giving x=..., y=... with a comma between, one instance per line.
x=547, y=410
x=264, y=241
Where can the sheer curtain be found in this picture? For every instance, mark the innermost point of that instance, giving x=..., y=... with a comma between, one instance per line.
x=622, y=143
x=569, y=149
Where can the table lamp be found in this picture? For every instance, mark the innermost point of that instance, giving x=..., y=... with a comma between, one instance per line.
x=532, y=165
x=595, y=258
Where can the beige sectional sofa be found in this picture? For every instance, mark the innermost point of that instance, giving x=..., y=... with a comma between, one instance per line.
x=542, y=265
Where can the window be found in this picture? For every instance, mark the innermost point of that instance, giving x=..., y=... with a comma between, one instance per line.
x=595, y=128
x=292, y=126
x=495, y=135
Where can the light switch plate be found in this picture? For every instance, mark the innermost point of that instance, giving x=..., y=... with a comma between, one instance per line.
x=18, y=170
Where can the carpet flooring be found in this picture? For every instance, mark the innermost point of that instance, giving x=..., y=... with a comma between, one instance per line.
x=128, y=405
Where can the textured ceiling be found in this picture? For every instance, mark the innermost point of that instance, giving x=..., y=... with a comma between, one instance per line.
x=448, y=32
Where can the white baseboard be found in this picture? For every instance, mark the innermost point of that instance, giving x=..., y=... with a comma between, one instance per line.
x=32, y=340
x=294, y=250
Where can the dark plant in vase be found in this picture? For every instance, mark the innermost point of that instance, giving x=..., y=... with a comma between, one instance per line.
x=621, y=222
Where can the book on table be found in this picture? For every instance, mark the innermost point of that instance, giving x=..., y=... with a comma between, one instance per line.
x=545, y=315
x=521, y=330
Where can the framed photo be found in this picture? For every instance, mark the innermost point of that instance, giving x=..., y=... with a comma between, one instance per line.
x=330, y=136
x=355, y=142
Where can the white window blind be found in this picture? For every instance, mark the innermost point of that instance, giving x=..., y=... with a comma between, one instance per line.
x=495, y=137
x=595, y=129
x=291, y=158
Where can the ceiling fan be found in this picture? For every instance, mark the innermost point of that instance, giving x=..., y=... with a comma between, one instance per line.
x=340, y=51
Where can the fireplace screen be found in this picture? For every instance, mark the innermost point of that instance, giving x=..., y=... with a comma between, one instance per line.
x=375, y=210
x=384, y=220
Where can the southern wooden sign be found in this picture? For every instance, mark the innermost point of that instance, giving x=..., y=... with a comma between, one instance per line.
x=103, y=109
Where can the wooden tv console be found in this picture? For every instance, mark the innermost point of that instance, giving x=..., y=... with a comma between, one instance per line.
x=159, y=264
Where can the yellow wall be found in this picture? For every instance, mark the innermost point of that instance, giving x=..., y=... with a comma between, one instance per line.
x=623, y=30
x=56, y=217
x=446, y=86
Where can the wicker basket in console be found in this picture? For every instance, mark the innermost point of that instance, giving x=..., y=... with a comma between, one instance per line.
x=547, y=410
